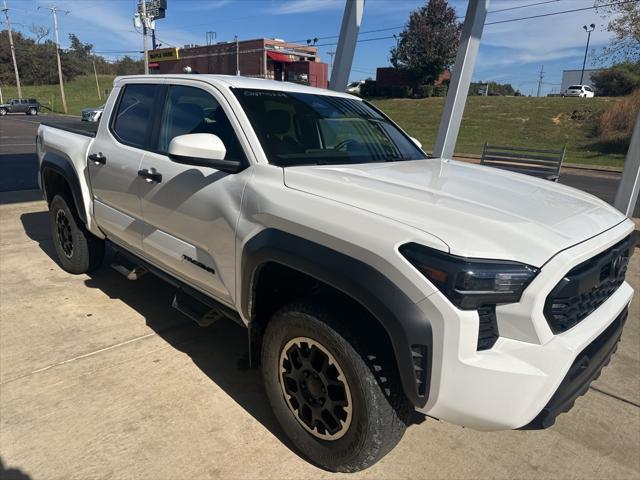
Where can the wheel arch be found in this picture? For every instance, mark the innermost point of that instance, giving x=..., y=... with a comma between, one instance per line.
x=57, y=175
x=405, y=326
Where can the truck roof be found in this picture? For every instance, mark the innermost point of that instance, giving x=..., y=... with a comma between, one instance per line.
x=234, y=81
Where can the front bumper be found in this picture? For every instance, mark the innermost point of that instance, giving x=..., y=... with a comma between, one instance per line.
x=509, y=385
x=585, y=368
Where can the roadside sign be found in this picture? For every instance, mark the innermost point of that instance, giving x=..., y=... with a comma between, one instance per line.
x=163, y=54
x=155, y=8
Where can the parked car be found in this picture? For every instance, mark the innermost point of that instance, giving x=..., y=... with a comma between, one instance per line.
x=29, y=106
x=91, y=114
x=579, y=91
x=371, y=279
x=354, y=87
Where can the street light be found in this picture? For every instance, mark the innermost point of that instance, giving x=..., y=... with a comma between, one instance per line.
x=588, y=29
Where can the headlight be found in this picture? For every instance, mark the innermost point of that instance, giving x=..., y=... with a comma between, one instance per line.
x=470, y=282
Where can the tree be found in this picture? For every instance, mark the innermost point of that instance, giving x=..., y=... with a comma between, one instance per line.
x=618, y=80
x=429, y=42
x=495, y=88
x=128, y=66
x=624, y=23
x=40, y=31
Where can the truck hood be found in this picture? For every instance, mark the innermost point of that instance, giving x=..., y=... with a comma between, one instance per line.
x=477, y=211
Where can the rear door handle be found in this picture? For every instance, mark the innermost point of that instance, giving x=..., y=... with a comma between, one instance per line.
x=150, y=175
x=98, y=158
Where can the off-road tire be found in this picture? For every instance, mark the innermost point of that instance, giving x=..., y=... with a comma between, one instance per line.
x=380, y=411
x=32, y=111
x=3, y=112
x=81, y=251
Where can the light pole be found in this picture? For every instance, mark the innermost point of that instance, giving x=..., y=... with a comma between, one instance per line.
x=588, y=29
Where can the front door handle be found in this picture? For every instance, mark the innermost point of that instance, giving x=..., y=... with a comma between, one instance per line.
x=98, y=158
x=150, y=175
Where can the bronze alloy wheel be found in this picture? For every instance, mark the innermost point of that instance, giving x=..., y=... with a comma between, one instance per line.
x=315, y=388
x=65, y=239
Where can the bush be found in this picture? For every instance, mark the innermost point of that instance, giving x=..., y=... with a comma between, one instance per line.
x=440, y=91
x=368, y=89
x=619, y=80
x=423, y=91
x=617, y=123
x=400, y=91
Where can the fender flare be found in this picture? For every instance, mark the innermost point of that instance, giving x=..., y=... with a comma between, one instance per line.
x=405, y=324
x=63, y=167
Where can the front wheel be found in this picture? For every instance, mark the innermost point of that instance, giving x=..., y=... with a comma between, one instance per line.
x=326, y=396
x=78, y=250
x=3, y=112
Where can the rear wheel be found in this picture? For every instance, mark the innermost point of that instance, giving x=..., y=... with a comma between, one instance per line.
x=78, y=250
x=32, y=111
x=324, y=393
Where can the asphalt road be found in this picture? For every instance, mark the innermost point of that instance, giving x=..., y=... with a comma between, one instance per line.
x=18, y=162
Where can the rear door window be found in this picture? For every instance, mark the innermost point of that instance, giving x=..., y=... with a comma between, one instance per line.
x=133, y=120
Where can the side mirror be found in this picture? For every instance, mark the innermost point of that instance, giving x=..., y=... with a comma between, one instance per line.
x=417, y=142
x=202, y=150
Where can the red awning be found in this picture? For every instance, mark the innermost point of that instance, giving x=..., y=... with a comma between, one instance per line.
x=279, y=57
x=154, y=65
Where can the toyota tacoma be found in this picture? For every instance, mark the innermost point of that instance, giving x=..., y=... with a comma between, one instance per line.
x=372, y=280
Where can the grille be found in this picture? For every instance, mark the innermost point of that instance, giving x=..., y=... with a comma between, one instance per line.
x=587, y=286
x=488, y=333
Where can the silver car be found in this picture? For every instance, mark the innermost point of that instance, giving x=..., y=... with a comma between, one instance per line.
x=91, y=114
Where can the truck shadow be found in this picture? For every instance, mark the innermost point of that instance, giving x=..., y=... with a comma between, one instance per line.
x=219, y=351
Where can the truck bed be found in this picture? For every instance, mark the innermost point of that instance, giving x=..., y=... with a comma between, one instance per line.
x=74, y=125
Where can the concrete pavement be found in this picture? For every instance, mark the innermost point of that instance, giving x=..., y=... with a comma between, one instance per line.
x=100, y=378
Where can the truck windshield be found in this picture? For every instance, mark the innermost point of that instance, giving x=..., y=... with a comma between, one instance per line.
x=303, y=129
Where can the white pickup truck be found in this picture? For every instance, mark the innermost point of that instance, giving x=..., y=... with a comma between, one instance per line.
x=372, y=280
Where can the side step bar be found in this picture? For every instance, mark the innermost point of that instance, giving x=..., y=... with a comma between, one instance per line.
x=197, y=311
x=201, y=308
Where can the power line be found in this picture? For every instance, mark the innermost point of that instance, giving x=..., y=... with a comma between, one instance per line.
x=564, y=11
x=522, y=6
x=489, y=23
x=402, y=26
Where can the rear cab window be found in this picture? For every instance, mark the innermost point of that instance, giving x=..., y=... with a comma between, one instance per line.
x=132, y=121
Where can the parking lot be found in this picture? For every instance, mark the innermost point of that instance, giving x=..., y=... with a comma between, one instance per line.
x=100, y=378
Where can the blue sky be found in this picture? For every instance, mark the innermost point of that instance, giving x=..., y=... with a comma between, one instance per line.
x=510, y=52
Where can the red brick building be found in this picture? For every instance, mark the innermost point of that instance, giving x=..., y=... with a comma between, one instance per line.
x=263, y=58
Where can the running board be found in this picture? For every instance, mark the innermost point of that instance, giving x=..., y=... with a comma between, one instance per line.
x=197, y=311
x=133, y=273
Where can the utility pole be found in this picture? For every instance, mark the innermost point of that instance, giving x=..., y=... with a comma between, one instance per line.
x=95, y=73
x=144, y=37
x=331, y=54
x=486, y=90
x=589, y=29
x=54, y=11
x=540, y=80
x=237, y=57
x=13, y=49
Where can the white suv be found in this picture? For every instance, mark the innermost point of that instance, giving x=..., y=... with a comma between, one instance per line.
x=579, y=91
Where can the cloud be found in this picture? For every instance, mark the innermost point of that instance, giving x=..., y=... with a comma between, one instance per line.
x=304, y=6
